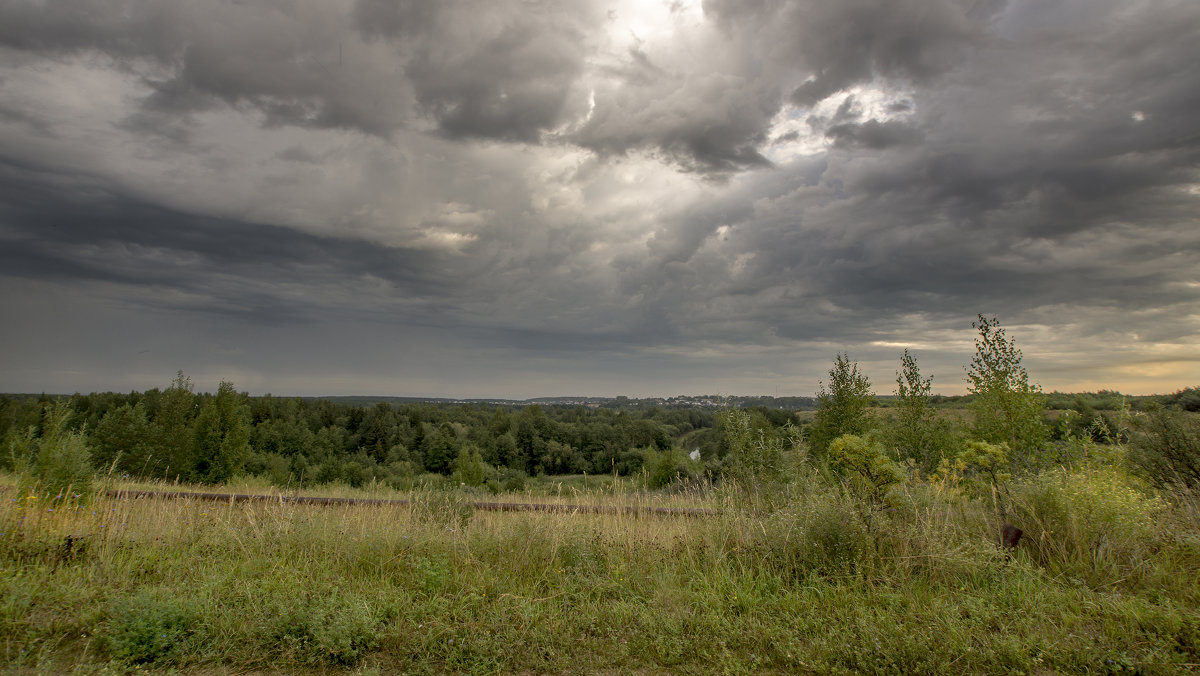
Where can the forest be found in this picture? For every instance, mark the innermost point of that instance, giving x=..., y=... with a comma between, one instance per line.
x=178, y=434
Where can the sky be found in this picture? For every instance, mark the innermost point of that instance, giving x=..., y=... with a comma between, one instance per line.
x=522, y=198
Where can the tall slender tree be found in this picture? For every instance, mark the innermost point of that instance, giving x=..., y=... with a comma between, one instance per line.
x=844, y=407
x=222, y=435
x=1007, y=407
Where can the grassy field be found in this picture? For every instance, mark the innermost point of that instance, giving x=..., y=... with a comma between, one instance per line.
x=798, y=578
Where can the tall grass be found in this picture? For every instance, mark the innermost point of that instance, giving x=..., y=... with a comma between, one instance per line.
x=802, y=578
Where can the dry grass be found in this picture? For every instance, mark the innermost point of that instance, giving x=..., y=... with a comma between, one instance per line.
x=799, y=579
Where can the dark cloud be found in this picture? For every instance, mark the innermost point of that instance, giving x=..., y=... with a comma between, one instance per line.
x=504, y=72
x=872, y=134
x=834, y=46
x=511, y=86
x=288, y=62
x=607, y=193
x=221, y=265
x=709, y=123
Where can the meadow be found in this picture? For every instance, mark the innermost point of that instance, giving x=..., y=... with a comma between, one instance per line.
x=846, y=541
x=803, y=576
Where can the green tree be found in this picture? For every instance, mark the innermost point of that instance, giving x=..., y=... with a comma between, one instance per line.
x=1007, y=408
x=176, y=412
x=439, y=450
x=917, y=432
x=222, y=435
x=124, y=440
x=469, y=468
x=844, y=408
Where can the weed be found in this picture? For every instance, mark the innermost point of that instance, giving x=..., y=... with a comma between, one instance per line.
x=151, y=626
x=332, y=628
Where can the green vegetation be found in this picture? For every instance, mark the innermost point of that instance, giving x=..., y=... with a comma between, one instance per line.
x=877, y=555
x=1008, y=409
x=844, y=408
x=918, y=433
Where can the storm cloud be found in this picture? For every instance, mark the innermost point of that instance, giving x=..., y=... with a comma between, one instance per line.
x=525, y=198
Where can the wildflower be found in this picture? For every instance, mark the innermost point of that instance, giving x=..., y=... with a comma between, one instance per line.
x=31, y=497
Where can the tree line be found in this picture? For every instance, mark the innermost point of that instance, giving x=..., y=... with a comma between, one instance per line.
x=177, y=433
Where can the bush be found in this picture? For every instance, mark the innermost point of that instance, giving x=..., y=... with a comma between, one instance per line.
x=59, y=459
x=862, y=463
x=1187, y=399
x=1166, y=447
x=756, y=451
x=150, y=626
x=664, y=468
x=65, y=463
x=1093, y=524
x=836, y=540
x=822, y=532
x=327, y=629
x=354, y=474
x=511, y=480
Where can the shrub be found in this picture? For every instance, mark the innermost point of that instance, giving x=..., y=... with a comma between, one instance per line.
x=354, y=474
x=65, y=463
x=756, y=452
x=512, y=480
x=1093, y=524
x=59, y=459
x=151, y=626
x=327, y=629
x=664, y=468
x=1166, y=447
x=862, y=462
x=836, y=540
x=1187, y=399
x=982, y=469
x=822, y=531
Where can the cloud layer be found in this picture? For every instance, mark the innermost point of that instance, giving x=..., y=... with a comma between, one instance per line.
x=520, y=198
